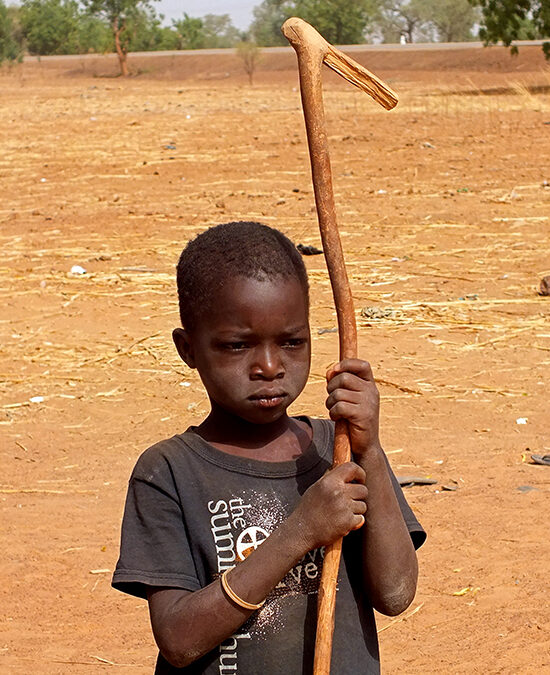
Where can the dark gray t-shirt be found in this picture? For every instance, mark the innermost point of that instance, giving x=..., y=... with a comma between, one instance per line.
x=193, y=511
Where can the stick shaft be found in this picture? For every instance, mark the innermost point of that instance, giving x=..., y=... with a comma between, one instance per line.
x=312, y=100
x=329, y=577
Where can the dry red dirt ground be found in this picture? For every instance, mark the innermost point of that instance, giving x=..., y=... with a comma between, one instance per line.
x=444, y=208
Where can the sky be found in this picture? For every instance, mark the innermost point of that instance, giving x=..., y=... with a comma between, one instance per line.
x=239, y=10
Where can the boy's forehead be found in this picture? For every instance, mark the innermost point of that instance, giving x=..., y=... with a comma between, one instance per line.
x=243, y=301
x=275, y=289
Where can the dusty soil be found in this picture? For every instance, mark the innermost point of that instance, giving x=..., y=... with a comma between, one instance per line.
x=444, y=208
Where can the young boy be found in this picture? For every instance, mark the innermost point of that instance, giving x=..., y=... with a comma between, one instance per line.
x=225, y=524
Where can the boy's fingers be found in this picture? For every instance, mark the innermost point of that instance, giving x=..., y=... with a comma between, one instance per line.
x=343, y=396
x=356, y=366
x=346, y=380
x=349, y=472
x=359, y=493
x=360, y=522
x=345, y=410
x=331, y=371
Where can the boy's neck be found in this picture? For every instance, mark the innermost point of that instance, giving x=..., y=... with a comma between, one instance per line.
x=285, y=439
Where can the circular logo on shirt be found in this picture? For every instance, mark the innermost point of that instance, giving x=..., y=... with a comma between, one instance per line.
x=249, y=540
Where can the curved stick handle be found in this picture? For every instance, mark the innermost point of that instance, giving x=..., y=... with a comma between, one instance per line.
x=312, y=51
x=303, y=37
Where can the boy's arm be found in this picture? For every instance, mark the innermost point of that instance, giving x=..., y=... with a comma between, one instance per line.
x=188, y=625
x=389, y=559
x=390, y=569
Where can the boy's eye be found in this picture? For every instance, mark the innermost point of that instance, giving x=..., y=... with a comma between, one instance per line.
x=294, y=342
x=234, y=346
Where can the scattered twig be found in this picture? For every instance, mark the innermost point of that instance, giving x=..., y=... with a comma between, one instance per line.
x=401, y=618
x=401, y=387
x=15, y=491
x=112, y=663
x=507, y=336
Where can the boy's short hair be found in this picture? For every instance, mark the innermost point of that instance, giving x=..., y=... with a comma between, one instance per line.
x=243, y=248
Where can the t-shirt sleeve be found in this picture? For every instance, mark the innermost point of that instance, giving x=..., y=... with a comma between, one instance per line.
x=154, y=549
x=418, y=535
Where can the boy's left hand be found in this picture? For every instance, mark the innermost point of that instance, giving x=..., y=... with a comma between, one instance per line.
x=353, y=396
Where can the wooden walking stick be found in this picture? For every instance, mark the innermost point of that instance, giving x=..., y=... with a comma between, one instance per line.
x=312, y=51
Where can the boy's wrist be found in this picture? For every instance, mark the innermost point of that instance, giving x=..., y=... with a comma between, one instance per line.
x=369, y=449
x=370, y=457
x=298, y=540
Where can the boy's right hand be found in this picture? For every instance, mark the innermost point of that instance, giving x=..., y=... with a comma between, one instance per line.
x=333, y=506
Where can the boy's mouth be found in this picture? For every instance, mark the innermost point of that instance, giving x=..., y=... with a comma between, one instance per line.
x=268, y=400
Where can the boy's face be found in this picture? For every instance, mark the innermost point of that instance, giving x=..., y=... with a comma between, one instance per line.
x=252, y=347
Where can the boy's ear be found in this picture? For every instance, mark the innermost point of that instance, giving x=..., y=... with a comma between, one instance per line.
x=183, y=343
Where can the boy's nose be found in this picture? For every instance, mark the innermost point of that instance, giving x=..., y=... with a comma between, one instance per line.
x=267, y=364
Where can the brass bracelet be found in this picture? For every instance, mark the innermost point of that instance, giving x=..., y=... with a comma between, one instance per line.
x=233, y=596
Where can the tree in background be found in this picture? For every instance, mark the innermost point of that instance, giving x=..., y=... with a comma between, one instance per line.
x=339, y=21
x=144, y=32
x=449, y=20
x=212, y=31
x=50, y=26
x=250, y=54
x=402, y=17
x=345, y=22
x=118, y=14
x=94, y=35
x=219, y=31
x=10, y=41
x=269, y=16
x=190, y=33
x=510, y=20
x=166, y=38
